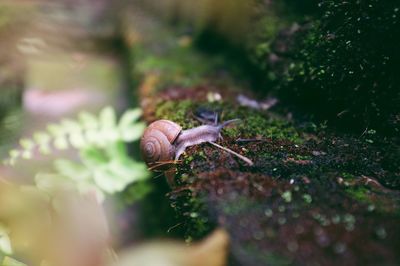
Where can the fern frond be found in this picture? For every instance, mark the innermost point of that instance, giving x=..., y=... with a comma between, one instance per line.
x=86, y=131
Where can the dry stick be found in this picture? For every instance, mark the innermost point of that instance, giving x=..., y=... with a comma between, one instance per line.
x=158, y=164
x=247, y=160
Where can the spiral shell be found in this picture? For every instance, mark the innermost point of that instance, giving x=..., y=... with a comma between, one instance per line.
x=170, y=129
x=156, y=144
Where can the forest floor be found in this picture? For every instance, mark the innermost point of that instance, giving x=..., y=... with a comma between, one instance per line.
x=312, y=197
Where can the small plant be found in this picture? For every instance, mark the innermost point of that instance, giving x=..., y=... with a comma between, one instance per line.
x=104, y=164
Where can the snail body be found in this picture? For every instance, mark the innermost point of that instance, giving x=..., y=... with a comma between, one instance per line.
x=165, y=140
x=198, y=135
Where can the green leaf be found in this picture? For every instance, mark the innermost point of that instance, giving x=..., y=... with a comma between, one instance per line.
x=133, y=132
x=106, y=181
x=129, y=118
x=93, y=157
x=72, y=170
x=106, y=165
x=44, y=148
x=109, y=135
x=77, y=140
x=27, y=144
x=108, y=118
x=88, y=121
x=61, y=143
x=55, y=130
x=14, y=154
x=128, y=171
x=70, y=126
x=41, y=138
x=117, y=150
x=26, y=155
x=93, y=137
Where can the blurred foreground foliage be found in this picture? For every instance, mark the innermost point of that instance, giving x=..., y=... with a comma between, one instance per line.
x=104, y=164
x=42, y=229
x=18, y=202
x=57, y=210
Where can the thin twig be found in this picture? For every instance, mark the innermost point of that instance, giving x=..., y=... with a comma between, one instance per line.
x=247, y=160
x=173, y=227
x=159, y=175
x=156, y=165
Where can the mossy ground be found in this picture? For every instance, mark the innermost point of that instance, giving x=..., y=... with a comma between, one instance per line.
x=252, y=124
x=312, y=196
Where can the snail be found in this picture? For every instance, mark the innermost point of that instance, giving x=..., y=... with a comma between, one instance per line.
x=157, y=142
x=164, y=141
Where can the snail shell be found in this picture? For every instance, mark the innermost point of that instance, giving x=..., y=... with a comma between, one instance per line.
x=156, y=144
x=170, y=129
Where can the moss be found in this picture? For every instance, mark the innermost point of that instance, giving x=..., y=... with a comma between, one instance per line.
x=192, y=213
x=272, y=19
x=256, y=124
x=253, y=123
x=361, y=194
x=344, y=65
x=177, y=111
x=334, y=59
x=348, y=176
x=198, y=223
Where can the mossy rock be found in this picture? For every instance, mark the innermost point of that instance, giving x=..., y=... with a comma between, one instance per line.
x=310, y=198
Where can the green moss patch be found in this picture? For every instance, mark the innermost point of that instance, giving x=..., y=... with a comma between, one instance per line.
x=253, y=124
